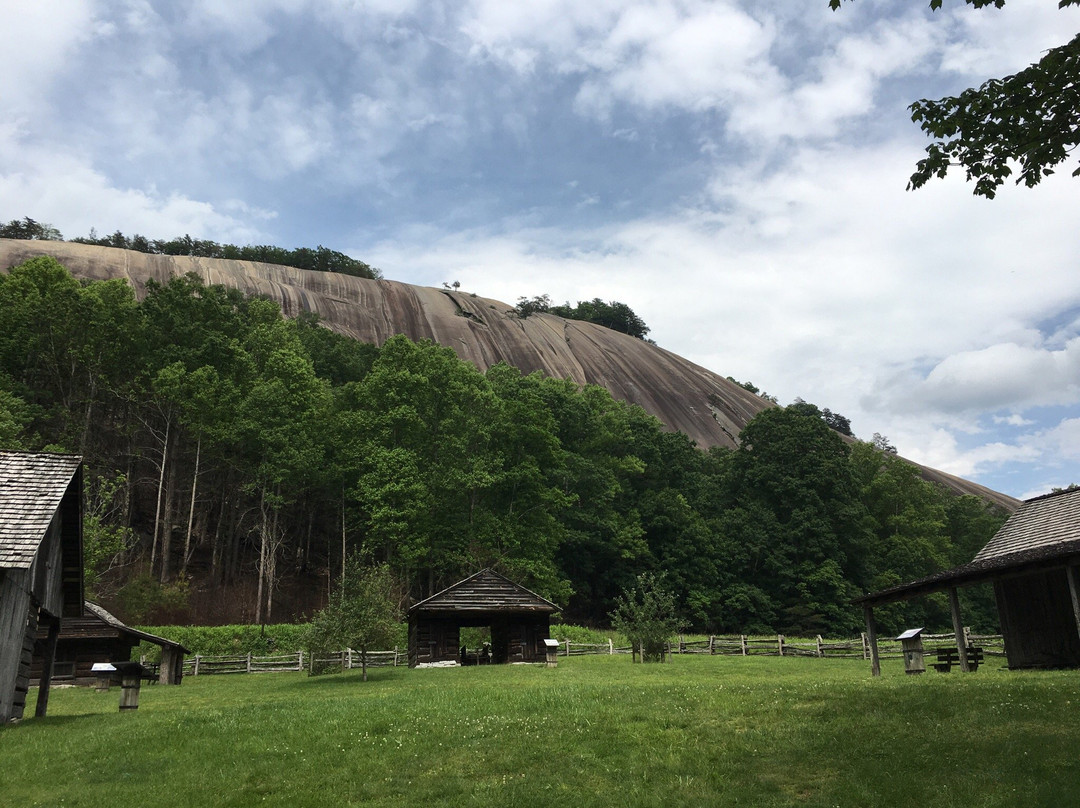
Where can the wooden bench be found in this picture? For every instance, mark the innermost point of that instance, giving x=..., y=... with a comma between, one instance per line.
x=947, y=657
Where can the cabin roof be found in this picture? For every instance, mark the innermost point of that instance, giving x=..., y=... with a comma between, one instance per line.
x=485, y=591
x=1044, y=532
x=1049, y=521
x=116, y=624
x=31, y=488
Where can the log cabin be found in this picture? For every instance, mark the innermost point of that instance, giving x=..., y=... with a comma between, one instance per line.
x=98, y=636
x=519, y=620
x=41, y=567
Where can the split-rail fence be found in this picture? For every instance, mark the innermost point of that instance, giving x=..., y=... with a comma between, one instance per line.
x=731, y=645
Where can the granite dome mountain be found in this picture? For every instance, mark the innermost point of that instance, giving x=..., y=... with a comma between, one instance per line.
x=684, y=396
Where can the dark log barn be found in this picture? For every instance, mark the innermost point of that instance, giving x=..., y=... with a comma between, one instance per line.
x=97, y=636
x=1032, y=563
x=41, y=570
x=519, y=620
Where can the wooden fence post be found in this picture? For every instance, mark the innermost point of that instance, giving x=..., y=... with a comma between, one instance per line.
x=712, y=644
x=871, y=636
x=197, y=658
x=300, y=660
x=248, y=663
x=865, y=647
x=780, y=643
x=610, y=647
x=349, y=650
x=743, y=645
x=395, y=655
x=568, y=648
x=820, y=650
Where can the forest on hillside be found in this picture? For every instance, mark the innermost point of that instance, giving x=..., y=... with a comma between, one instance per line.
x=318, y=259
x=235, y=458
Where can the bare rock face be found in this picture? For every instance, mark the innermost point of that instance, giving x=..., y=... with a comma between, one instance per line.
x=686, y=397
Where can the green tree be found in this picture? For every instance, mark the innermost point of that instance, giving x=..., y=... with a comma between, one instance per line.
x=1031, y=118
x=13, y=420
x=792, y=478
x=106, y=541
x=364, y=613
x=646, y=614
x=614, y=315
x=27, y=228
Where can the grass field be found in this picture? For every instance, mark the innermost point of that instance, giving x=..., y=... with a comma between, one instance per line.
x=595, y=731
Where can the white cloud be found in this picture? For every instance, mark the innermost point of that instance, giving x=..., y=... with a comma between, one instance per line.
x=36, y=43
x=63, y=190
x=992, y=42
x=1012, y=420
x=1000, y=376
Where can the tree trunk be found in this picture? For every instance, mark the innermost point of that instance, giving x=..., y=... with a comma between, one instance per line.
x=262, y=559
x=191, y=507
x=166, y=524
x=343, y=541
x=160, y=496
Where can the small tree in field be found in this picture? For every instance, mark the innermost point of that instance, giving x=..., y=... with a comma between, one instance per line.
x=645, y=613
x=364, y=613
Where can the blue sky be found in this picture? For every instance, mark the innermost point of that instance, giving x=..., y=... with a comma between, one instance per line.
x=733, y=170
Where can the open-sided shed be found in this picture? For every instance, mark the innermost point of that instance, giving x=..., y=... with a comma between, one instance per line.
x=1032, y=562
x=41, y=571
x=519, y=620
x=98, y=636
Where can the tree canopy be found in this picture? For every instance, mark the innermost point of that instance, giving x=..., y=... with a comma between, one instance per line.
x=1030, y=119
x=319, y=259
x=614, y=315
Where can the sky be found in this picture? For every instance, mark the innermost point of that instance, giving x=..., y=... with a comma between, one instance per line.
x=733, y=170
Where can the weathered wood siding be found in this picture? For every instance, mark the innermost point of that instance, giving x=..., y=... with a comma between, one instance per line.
x=14, y=608
x=1037, y=620
x=46, y=572
x=433, y=640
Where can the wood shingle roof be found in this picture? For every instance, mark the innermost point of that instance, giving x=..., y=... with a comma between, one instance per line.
x=1043, y=533
x=1043, y=522
x=31, y=488
x=486, y=591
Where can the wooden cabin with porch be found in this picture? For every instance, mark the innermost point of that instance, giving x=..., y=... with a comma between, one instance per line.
x=519, y=620
x=98, y=636
x=41, y=567
x=1032, y=562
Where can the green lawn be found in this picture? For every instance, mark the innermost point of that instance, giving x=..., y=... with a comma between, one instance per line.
x=595, y=731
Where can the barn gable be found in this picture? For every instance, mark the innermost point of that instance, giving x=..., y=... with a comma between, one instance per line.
x=486, y=591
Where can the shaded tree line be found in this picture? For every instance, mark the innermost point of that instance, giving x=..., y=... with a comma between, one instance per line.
x=232, y=450
x=319, y=259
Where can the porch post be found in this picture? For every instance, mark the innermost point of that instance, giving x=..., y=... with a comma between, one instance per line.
x=958, y=628
x=871, y=635
x=47, y=664
x=1074, y=593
